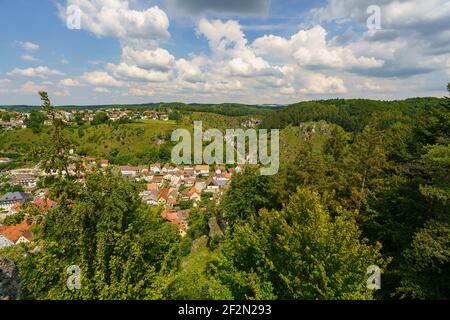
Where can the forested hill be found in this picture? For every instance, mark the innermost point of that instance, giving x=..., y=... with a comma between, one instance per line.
x=352, y=115
x=227, y=109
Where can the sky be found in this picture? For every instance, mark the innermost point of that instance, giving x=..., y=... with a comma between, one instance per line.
x=211, y=51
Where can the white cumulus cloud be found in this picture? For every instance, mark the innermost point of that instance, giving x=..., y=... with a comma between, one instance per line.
x=115, y=18
x=318, y=83
x=40, y=71
x=100, y=78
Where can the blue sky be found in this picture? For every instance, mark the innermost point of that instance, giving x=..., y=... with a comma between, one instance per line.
x=260, y=51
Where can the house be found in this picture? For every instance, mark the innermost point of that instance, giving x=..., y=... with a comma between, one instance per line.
x=163, y=196
x=155, y=168
x=15, y=235
x=129, y=171
x=202, y=170
x=195, y=195
x=185, y=195
x=10, y=198
x=147, y=175
x=159, y=180
x=104, y=163
x=152, y=186
x=225, y=177
x=175, y=181
x=179, y=218
x=189, y=182
x=26, y=180
x=15, y=208
x=172, y=197
x=168, y=176
x=211, y=185
x=200, y=186
x=90, y=160
x=42, y=193
x=220, y=170
x=5, y=160
x=167, y=168
x=151, y=197
x=44, y=204
x=188, y=171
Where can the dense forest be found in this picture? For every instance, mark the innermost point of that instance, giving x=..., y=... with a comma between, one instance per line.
x=361, y=183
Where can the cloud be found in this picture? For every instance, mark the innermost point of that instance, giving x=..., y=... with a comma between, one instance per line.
x=190, y=71
x=62, y=93
x=64, y=61
x=320, y=84
x=115, y=18
x=40, y=71
x=369, y=85
x=222, y=36
x=31, y=87
x=101, y=78
x=29, y=46
x=252, y=7
x=309, y=48
x=132, y=72
x=228, y=42
x=336, y=57
x=423, y=24
x=28, y=57
x=143, y=91
x=69, y=82
x=158, y=59
x=287, y=90
x=4, y=81
x=101, y=90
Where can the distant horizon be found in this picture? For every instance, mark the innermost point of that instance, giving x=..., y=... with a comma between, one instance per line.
x=274, y=105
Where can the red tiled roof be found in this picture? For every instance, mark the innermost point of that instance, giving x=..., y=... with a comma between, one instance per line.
x=16, y=206
x=164, y=193
x=45, y=204
x=173, y=217
x=13, y=233
x=152, y=186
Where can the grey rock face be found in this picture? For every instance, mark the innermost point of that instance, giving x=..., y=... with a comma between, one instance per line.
x=9, y=280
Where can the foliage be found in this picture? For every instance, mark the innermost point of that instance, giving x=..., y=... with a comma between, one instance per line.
x=300, y=252
x=249, y=192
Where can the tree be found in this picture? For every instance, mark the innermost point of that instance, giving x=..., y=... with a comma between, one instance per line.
x=249, y=192
x=426, y=270
x=300, y=252
x=6, y=117
x=99, y=118
x=35, y=121
x=364, y=165
x=436, y=187
x=101, y=226
x=79, y=120
x=54, y=154
x=336, y=145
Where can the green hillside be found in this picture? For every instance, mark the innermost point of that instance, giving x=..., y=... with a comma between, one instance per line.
x=138, y=142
